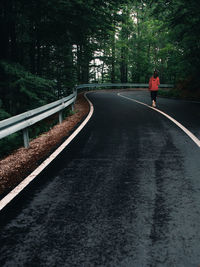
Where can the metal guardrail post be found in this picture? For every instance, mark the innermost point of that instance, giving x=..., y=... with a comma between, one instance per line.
x=27, y=119
x=60, y=116
x=26, y=138
x=73, y=105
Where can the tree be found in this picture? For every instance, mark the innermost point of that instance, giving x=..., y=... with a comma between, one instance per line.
x=183, y=20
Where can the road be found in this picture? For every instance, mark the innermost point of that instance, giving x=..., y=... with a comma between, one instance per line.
x=125, y=192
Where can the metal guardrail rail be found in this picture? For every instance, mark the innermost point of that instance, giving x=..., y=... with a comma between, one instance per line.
x=25, y=120
x=136, y=85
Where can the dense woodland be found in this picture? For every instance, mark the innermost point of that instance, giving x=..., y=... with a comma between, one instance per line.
x=48, y=46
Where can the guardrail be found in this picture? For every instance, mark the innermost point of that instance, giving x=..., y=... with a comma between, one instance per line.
x=136, y=85
x=25, y=120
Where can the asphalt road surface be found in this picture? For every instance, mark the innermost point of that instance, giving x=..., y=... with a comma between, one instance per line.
x=125, y=192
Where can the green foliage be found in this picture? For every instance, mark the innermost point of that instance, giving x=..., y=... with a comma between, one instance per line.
x=182, y=18
x=3, y=114
x=21, y=90
x=10, y=143
x=138, y=44
x=172, y=93
x=162, y=35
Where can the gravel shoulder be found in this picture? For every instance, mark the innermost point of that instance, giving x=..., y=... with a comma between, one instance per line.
x=15, y=167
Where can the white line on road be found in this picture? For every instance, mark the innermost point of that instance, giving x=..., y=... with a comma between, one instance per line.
x=191, y=135
x=10, y=196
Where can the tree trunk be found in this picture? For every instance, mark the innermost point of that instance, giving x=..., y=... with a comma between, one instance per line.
x=113, y=60
x=14, y=52
x=5, y=28
x=38, y=55
x=123, y=67
x=79, y=62
x=102, y=72
x=32, y=57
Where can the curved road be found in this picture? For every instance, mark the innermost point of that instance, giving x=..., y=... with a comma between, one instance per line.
x=125, y=192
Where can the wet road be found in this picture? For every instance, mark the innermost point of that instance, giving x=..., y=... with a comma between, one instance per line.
x=125, y=192
x=185, y=112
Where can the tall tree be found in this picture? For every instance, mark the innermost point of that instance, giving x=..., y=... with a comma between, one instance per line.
x=183, y=20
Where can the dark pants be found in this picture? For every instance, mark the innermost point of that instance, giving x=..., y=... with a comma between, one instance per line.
x=153, y=95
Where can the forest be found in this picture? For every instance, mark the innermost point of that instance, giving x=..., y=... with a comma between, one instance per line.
x=49, y=46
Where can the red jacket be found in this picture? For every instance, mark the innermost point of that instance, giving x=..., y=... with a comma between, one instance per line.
x=154, y=83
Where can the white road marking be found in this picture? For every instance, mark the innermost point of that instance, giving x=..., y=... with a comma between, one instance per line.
x=10, y=196
x=191, y=135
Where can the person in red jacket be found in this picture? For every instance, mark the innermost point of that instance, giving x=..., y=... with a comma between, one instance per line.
x=154, y=82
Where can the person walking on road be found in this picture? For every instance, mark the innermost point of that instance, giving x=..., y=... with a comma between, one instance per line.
x=154, y=82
